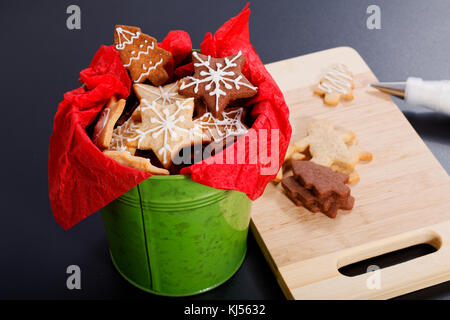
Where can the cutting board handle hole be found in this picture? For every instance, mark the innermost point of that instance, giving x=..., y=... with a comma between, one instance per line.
x=351, y=267
x=387, y=259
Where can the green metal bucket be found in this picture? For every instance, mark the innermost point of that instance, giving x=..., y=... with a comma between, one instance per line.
x=172, y=236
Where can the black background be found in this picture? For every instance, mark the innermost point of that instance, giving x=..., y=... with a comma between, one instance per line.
x=41, y=59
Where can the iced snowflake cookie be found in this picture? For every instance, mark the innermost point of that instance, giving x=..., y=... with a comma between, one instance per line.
x=166, y=129
x=332, y=147
x=141, y=55
x=123, y=135
x=230, y=123
x=162, y=95
x=103, y=129
x=217, y=81
x=335, y=85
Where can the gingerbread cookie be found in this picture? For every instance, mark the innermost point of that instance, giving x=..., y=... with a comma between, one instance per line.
x=323, y=181
x=123, y=134
x=318, y=188
x=336, y=84
x=166, y=129
x=162, y=95
x=304, y=197
x=125, y=158
x=333, y=148
x=217, y=81
x=103, y=129
x=141, y=55
x=217, y=129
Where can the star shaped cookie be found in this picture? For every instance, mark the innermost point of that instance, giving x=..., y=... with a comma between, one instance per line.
x=141, y=55
x=217, y=81
x=162, y=95
x=167, y=129
x=217, y=129
x=123, y=137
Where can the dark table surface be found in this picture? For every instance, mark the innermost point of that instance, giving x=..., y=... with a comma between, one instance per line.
x=41, y=59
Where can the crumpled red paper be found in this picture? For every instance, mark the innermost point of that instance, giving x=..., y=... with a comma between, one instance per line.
x=179, y=43
x=82, y=180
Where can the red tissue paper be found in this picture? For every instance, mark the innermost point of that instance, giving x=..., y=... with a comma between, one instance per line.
x=82, y=180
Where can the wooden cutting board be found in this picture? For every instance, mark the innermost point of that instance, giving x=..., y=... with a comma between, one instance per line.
x=403, y=198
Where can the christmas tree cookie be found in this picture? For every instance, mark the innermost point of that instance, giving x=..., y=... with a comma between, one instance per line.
x=141, y=55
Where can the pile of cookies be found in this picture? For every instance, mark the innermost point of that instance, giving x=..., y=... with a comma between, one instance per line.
x=318, y=188
x=162, y=117
x=329, y=146
x=324, y=161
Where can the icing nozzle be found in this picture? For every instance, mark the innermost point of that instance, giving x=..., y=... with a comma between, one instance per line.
x=394, y=88
x=434, y=95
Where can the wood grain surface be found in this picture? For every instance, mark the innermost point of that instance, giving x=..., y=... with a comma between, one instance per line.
x=403, y=197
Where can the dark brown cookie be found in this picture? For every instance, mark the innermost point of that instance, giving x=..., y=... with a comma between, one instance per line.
x=228, y=123
x=323, y=181
x=299, y=194
x=346, y=204
x=303, y=196
x=217, y=81
x=141, y=55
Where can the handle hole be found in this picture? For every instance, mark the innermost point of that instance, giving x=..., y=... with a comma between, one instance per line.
x=388, y=259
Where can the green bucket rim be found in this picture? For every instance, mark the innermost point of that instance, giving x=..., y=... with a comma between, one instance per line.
x=171, y=177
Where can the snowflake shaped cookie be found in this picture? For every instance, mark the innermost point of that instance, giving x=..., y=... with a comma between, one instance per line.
x=167, y=129
x=217, y=81
x=216, y=129
x=141, y=55
x=124, y=137
x=162, y=95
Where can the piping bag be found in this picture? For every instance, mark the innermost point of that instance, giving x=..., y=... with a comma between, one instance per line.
x=434, y=95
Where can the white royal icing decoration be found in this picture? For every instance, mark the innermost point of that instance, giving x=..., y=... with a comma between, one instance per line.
x=232, y=125
x=122, y=134
x=149, y=69
x=217, y=77
x=150, y=47
x=125, y=38
x=164, y=94
x=166, y=124
x=337, y=79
